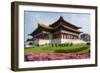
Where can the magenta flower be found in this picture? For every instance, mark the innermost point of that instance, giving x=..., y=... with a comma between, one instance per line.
x=48, y=57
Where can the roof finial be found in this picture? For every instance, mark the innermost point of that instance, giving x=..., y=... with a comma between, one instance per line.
x=61, y=18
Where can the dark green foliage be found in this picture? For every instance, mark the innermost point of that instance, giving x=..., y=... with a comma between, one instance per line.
x=52, y=45
x=66, y=44
x=70, y=50
x=30, y=43
x=55, y=45
x=89, y=51
x=71, y=44
x=37, y=45
x=88, y=43
x=62, y=45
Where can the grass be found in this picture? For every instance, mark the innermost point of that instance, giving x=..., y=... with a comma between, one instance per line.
x=50, y=49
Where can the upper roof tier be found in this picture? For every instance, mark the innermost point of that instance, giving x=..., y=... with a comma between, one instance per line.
x=60, y=26
x=64, y=22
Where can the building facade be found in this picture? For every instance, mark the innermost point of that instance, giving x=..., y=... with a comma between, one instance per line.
x=85, y=37
x=59, y=32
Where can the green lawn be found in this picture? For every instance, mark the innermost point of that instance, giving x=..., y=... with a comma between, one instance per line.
x=50, y=49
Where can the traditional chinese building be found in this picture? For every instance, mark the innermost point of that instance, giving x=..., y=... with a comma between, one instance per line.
x=60, y=31
x=85, y=37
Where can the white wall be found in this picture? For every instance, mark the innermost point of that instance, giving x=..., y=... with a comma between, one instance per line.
x=58, y=41
x=75, y=41
x=41, y=41
x=5, y=48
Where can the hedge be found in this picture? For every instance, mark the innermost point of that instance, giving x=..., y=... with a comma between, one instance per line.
x=70, y=50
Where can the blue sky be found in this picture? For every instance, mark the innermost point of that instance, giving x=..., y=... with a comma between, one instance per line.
x=32, y=18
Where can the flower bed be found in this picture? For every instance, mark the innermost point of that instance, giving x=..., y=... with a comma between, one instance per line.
x=48, y=57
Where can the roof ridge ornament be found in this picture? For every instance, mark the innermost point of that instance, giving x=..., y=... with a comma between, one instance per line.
x=61, y=18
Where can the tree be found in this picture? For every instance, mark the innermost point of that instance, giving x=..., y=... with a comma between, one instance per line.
x=85, y=37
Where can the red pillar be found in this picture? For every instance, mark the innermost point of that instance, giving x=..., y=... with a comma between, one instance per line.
x=63, y=35
x=68, y=36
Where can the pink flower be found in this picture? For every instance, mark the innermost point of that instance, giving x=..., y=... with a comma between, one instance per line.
x=48, y=57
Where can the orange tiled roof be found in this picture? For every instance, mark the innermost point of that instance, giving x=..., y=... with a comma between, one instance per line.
x=45, y=26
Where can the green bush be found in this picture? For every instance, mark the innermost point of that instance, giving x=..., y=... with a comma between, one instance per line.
x=52, y=45
x=30, y=43
x=88, y=43
x=37, y=45
x=71, y=44
x=89, y=51
x=70, y=50
x=58, y=44
x=55, y=45
x=66, y=44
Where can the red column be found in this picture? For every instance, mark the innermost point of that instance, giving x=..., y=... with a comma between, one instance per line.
x=63, y=36
x=69, y=36
x=72, y=36
x=66, y=36
x=60, y=35
x=78, y=37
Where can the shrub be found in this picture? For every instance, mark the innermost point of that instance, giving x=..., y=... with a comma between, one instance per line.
x=59, y=44
x=37, y=45
x=30, y=43
x=88, y=43
x=71, y=44
x=67, y=44
x=52, y=45
x=70, y=50
x=55, y=45
x=89, y=51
